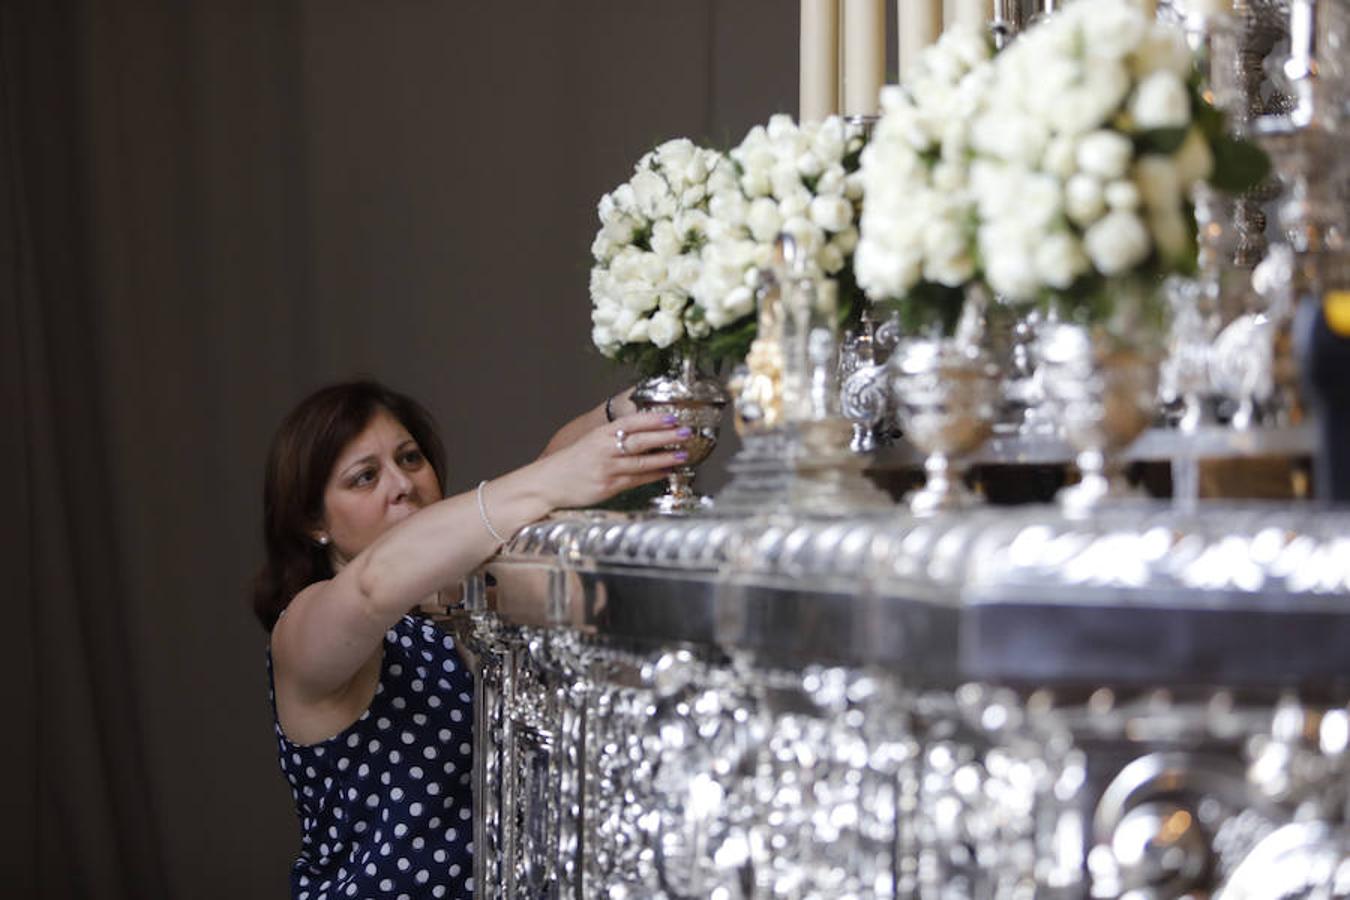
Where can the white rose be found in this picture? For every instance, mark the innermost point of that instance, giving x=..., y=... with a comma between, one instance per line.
x=795, y=202
x=675, y=153
x=809, y=237
x=781, y=127
x=764, y=220
x=1193, y=159
x=828, y=140
x=1012, y=273
x=847, y=239
x=1038, y=201
x=948, y=257
x=1161, y=101
x=684, y=272
x=665, y=329
x=831, y=180
x=639, y=331
x=671, y=303
x=1083, y=200
x=885, y=272
x=853, y=187
x=785, y=180
x=1158, y=182
x=1061, y=156
x=830, y=258
x=722, y=177
x=756, y=182
x=665, y=241
x=604, y=339
x=1172, y=234
x=651, y=193
x=623, y=323
x=955, y=141
x=949, y=177
x=729, y=207
x=624, y=199
x=831, y=213
x=602, y=247
x=967, y=45
x=1122, y=195
x=1010, y=136
x=1105, y=154
x=1090, y=101
x=652, y=268
x=1113, y=30
x=738, y=302
x=1117, y=243
x=1060, y=259
x=607, y=208
x=809, y=165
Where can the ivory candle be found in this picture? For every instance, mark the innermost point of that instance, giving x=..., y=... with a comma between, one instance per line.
x=919, y=22
x=1209, y=7
x=819, y=61
x=1150, y=7
x=969, y=13
x=864, y=55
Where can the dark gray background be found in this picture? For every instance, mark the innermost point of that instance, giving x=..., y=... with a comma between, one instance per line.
x=206, y=210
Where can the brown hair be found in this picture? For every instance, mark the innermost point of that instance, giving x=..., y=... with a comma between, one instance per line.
x=304, y=451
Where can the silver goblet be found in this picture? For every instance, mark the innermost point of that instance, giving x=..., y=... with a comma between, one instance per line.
x=946, y=396
x=1105, y=396
x=696, y=402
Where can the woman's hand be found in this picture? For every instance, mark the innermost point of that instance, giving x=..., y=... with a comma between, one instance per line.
x=633, y=450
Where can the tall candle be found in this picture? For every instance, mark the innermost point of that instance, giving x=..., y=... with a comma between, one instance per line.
x=969, y=13
x=1150, y=7
x=1208, y=7
x=864, y=55
x=819, y=73
x=919, y=23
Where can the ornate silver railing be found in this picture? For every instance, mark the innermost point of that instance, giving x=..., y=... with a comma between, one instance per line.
x=1001, y=704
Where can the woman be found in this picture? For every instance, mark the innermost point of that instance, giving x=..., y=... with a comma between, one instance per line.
x=371, y=701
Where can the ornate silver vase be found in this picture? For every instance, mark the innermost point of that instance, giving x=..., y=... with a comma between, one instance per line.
x=1104, y=393
x=696, y=401
x=946, y=396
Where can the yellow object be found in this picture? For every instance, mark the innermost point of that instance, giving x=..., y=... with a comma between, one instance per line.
x=1336, y=307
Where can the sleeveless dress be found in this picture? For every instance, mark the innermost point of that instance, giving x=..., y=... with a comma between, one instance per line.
x=385, y=806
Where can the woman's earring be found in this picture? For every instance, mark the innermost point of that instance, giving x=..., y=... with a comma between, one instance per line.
x=323, y=540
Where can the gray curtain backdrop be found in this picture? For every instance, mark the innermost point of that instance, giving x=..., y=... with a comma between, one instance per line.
x=206, y=210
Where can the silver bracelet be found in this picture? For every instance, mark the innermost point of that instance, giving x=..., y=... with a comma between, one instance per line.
x=482, y=514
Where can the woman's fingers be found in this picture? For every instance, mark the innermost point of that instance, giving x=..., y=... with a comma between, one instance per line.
x=652, y=462
x=643, y=421
x=638, y=443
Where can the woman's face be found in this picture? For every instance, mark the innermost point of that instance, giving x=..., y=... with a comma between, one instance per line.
x=380, y=478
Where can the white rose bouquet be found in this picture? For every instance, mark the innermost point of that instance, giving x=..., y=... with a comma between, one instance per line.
x=647, y=255
x=1051, y=171
x=917, y=239
x=783, y=178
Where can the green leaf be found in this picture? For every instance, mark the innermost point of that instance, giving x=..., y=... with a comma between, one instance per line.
x=1238, y=165
x=1160, y=140
x=928, y=308
x=1210, y=120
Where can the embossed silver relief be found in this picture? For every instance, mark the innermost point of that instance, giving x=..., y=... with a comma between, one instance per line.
x=687, y=771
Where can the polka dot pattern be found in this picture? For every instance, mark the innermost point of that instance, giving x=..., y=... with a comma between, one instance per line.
x=373, y=800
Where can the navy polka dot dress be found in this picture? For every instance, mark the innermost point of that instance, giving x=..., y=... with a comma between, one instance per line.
x=385, y=806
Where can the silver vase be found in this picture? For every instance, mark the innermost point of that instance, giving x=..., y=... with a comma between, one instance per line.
x=946, y=395
x=1105, y=395
x=696, y=401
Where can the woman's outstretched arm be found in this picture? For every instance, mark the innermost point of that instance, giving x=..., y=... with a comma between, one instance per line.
x=332, y=628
